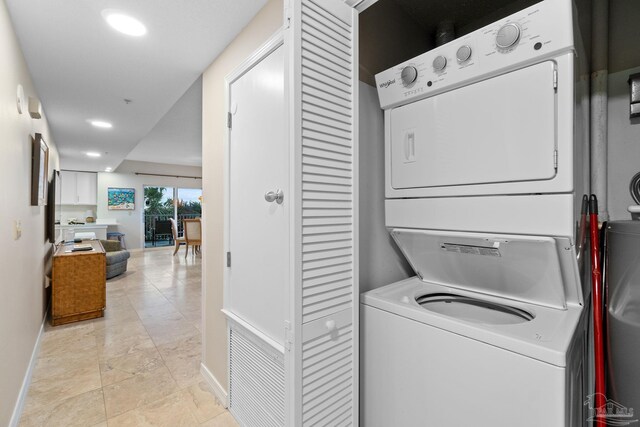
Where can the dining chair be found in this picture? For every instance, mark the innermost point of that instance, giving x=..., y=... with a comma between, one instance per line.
x=177, y=239
x=161, y=228
x=192, y=235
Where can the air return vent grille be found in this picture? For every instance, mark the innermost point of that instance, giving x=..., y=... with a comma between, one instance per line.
x=256, y=391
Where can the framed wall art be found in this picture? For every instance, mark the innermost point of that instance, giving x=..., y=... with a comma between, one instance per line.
x=39, y=170
x=121, y=199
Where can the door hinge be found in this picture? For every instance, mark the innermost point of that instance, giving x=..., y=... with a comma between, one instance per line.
x=288, y=336
x=555, y=80
x=229, y=119
x=228, y=259
x=555, y=159
x=287, y=15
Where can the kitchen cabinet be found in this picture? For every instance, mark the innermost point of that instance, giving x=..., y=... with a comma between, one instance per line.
x=79, y=188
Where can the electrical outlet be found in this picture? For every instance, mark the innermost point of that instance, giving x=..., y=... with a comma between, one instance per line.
x=17, y=230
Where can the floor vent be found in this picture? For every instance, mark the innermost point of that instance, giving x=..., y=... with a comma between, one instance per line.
x=256, y=386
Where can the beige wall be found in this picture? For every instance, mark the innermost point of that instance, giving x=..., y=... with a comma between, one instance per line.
x=25, y=261
x=214, y=114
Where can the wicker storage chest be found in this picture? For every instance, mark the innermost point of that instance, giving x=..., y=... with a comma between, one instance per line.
x=78, y=289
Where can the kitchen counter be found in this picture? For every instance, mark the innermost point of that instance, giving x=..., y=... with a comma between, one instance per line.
x=99, y=229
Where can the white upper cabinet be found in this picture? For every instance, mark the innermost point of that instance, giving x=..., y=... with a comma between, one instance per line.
x=79, y=188
x=86, y=188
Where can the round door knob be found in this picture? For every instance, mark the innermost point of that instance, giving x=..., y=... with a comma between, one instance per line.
x=409, y=75
x=463, y=53
x=274, y=196
x=439, y=63
x=508, y=35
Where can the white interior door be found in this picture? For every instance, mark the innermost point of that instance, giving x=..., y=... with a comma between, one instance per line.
x=258, y=228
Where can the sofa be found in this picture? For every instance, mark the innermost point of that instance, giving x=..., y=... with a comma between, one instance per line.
x=116, y=258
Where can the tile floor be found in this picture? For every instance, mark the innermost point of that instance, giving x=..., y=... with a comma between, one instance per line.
x=139, y=365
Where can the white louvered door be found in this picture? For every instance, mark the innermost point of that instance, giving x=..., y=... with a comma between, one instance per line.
x=322, y=371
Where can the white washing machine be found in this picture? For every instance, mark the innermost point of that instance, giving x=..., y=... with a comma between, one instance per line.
x=489, y=333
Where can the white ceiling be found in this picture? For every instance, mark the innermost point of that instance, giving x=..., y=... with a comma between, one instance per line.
x=177, y=138
x=83, y=69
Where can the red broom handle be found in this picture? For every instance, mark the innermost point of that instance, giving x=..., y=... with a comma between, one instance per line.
x=596, y=281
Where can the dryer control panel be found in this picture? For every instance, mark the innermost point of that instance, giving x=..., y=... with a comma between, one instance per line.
x=540, y=31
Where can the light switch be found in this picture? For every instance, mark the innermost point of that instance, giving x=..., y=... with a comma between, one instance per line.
x=17, y=231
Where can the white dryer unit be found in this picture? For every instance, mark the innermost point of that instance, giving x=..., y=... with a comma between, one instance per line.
x=490, y=114
x=489, y=333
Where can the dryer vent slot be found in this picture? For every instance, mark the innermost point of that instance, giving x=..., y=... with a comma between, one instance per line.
x=471, y=249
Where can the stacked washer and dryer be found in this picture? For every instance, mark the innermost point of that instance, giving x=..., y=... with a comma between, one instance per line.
x=485, y=171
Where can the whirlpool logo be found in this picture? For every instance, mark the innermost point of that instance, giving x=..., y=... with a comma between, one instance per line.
x=387, y=83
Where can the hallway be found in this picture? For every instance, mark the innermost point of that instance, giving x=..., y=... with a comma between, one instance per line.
x=139, y=365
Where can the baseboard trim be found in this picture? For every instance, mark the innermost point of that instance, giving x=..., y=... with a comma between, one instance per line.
x=26, y=382
x=215, y=385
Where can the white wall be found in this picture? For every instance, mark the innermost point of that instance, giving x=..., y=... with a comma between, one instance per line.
x=75, y=211
x=131, y=223
x=24, y=261
x=623, y=133
x=214, y=122
x=381, y=262
x=624, y=145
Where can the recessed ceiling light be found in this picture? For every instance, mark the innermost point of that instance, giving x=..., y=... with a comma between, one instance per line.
x=101, y=124
x=107, y=169
x=93, y=154
x=124, y=23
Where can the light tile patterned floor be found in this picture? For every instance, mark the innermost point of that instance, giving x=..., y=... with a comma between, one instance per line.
x=139, y=365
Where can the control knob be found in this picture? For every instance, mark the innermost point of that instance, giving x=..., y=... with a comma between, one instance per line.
x=463, y=53
x=508, y=35
x=439, y=63
x=409, y=75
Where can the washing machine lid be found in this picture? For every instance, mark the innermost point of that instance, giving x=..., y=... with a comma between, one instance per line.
x=535, y=269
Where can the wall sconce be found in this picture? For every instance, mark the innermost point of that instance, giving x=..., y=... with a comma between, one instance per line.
x=35, y=108
x=634, y=92
x=20, y=100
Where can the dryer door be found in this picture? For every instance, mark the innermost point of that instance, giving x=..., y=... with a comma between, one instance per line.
x=498, y=130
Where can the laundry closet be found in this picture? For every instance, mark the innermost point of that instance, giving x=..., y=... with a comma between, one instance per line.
x=337, y=204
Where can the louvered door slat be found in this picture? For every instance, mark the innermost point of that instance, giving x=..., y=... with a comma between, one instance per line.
x=311, y=66
x=328, y=228
x=312, y=100
x=327, y=188
x=315, y=20
x=313, y=312
x=327, y=286
x=324, y=179
x=326, y=146
x=327, y=15
x=327, y=96
x=311, y=257
x=323, y=117
x=315, y=135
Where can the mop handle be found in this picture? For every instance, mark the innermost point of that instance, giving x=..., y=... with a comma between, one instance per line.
x=596, y=282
